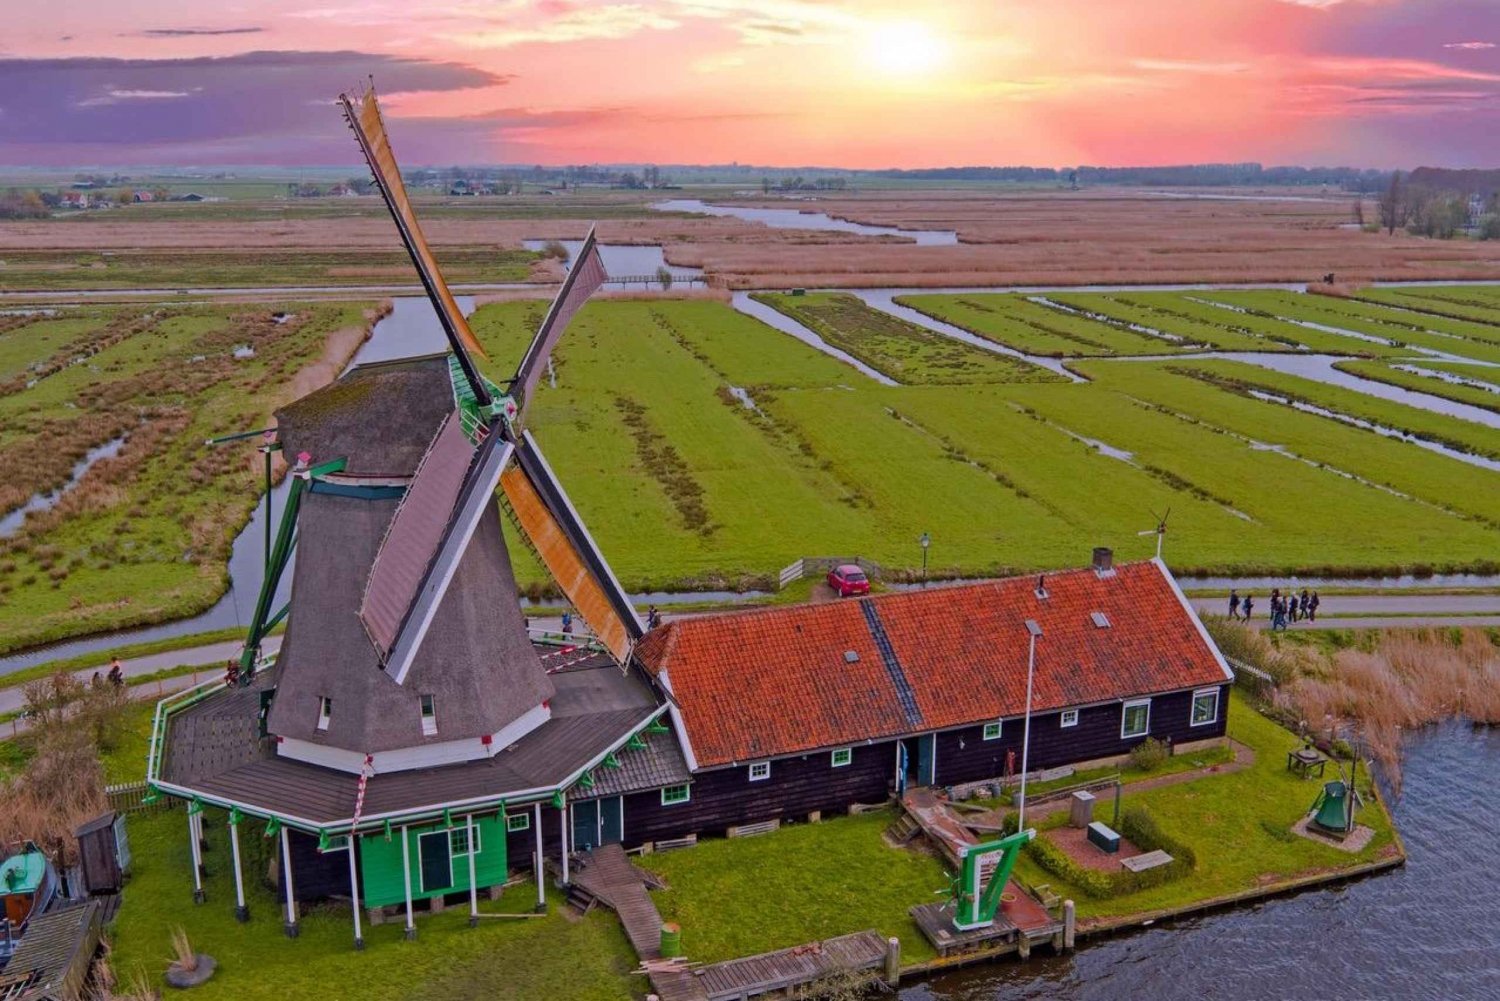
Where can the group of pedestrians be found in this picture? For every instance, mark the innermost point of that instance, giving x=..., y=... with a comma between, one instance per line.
x=1285, y=608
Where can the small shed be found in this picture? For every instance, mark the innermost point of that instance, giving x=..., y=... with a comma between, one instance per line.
x=52, y=962
x=103, y=853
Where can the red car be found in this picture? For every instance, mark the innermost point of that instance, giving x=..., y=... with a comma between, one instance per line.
x=848, y=580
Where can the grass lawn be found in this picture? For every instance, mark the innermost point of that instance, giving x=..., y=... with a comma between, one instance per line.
x=802, y=883
x=1237, y=824
x=558, y=956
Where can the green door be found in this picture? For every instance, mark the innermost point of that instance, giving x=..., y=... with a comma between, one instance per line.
x=437, y=862
x=586, y=825
x=612, y=820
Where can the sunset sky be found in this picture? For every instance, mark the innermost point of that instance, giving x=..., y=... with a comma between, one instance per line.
x=871, y=83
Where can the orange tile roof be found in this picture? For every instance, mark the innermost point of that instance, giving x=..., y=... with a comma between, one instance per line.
x=777, y=681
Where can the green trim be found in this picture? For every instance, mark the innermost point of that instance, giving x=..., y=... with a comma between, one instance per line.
x=273, y=827
x=636, y=742
x=235, y=816
x=656, y=726
x=361, y=492
x=559, y=800
x=613, y=761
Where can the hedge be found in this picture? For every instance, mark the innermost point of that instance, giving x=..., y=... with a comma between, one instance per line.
x=1140, y=829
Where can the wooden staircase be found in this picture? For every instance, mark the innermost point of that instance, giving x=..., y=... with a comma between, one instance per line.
x=903, y=829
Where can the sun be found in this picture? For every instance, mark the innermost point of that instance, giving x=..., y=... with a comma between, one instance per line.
x=904, y=48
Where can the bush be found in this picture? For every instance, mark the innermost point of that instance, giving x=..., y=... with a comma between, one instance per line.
x=1149, y=755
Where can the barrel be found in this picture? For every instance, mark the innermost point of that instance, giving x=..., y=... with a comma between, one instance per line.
x=671, y=940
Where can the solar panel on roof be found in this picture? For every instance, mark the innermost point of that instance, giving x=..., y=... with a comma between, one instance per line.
x=1100, y=619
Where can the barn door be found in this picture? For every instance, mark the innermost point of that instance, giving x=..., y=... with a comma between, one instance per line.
x=586, y=825
x=926, y=759
x=436, y=861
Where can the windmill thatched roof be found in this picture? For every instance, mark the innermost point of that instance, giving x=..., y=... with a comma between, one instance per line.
x=381, y=416
x=476, y=660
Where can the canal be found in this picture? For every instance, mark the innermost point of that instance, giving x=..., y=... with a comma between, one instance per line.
x=1426, y=930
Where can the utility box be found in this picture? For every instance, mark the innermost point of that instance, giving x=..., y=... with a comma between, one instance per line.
x=1081, y=809
x=1103, y=837
x=103, y=853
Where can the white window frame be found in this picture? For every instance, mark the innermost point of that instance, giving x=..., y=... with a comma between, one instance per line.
x=517, y=822
x=336, y=843
x=760, y=771
x=1067, y=718
x=847, y=754
x=463, y=830
x=687, y=794
x=998, y=727
x=1125, y=715
x=325, y=712
x=427, y=706
x=1203, y=693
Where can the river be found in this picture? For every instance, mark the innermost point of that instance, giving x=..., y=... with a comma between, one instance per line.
x=1424, y=931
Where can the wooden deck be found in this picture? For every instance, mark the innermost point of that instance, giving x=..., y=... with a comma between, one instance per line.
x=1019, y=922
x=607, y=874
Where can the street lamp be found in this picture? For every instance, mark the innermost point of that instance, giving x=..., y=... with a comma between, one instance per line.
x=925, y=541
x=1034, y=630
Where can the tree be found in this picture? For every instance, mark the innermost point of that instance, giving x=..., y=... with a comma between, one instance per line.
x=664, y=275
x=1359, y=212
x=1393, y=205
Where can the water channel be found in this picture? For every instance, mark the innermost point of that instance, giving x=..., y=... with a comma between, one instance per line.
x=1425, y=931
x=806, y=219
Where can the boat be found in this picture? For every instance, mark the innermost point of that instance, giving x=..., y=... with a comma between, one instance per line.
x=28, y=882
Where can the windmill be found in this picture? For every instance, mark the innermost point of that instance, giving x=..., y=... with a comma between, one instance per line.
x=1160, y=531
x=481, y=446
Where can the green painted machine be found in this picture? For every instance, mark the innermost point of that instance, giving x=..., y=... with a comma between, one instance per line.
x=976, y=899
x=1333, y=810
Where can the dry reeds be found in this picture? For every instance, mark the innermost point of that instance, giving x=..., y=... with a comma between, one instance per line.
x=184, y=957
x=1412, y=678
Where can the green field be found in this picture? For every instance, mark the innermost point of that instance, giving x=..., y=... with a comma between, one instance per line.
x=144, y=537
x=707, y=451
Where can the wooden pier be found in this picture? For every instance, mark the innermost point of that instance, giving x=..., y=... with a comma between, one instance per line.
x=752, y=976
x=607, y=875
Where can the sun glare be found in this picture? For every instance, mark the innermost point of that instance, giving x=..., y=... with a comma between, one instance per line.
x=904, y=48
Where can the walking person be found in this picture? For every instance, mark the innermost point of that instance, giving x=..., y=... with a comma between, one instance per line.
x=1305, y=603
x=1234, y=604
x=567, y=623
x=116, y=672
x=1249, y=606
x=1312, y=607
x=653, y=618
x=1291, y=605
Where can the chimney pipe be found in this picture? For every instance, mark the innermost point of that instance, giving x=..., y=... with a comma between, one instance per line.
x=1104, y=559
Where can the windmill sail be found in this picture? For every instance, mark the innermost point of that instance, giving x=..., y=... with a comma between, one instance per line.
x=584, y=278
x=364, y=118
x=414, y=534
x=547, y=517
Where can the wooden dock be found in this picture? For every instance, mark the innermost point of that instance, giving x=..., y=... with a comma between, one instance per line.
x=753, y=976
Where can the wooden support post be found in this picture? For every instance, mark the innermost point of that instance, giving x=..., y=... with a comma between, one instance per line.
x=241, y=912
x=1069, y=925
x=197, y=847
x=1023, y=945
x=893, y=961
x=473, y=879
x=562, y=821
x=359, y=938
x=290, y=927
x=539, y=873
x=411, y=928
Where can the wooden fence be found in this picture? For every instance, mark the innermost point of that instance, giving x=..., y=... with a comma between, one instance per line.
x=130, y=797
x=819, y=565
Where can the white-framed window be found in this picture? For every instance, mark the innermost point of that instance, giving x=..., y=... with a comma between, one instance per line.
x=337, y=843
x=1135, y=718
x=1205, y=707
x=518, y=821
x=676, y=794
x=325, y=712
x=992, y=730
x=458, y=840
x=760, y=771
x=842, y=756
x=429, y=716
x=1068, y=718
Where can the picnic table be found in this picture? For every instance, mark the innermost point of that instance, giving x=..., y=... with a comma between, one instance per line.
x=1306, y=762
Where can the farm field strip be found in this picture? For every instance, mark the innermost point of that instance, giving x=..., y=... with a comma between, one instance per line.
x=1435, y=382
x=1125, y=309
x=1479, y=376
x=1036, y=325
x=1479, y=342
x=903, y=351
x=1476, y=303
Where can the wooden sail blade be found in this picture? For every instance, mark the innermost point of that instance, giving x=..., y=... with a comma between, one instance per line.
x=583, y=280
x=547, y=517
x=364, y=118
x=411, y=542
x=474, y=499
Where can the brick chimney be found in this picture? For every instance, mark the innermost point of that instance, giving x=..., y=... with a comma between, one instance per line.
x=1104, y=560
